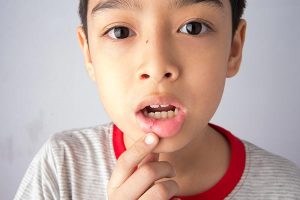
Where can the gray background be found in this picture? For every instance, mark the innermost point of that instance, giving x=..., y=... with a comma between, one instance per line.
x=45, y=89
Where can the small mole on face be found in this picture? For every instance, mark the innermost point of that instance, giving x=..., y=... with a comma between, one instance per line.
x=147, y=41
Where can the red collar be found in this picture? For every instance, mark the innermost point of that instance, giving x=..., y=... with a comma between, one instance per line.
x=226, y=184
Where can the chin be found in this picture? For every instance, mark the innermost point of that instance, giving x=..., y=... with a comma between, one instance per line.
x=173, y=144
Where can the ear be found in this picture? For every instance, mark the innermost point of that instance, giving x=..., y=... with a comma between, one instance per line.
x=86, y=52
x=236, y=51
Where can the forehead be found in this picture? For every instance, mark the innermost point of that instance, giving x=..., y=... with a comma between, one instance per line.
x=101, y=5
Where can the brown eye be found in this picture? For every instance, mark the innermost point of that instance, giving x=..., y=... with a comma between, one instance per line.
x=194, y=28
x=119, y=32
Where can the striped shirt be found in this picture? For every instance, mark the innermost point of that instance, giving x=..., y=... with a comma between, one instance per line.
x=77, y=164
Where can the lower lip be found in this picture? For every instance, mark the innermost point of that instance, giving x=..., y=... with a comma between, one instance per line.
x=164, y=128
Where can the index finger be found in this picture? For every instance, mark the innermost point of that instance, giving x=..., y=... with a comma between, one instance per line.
x=129, y=160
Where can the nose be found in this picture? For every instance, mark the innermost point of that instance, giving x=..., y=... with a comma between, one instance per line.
x=159, y=63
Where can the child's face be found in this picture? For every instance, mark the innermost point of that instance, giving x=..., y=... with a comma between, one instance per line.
x=161, y=53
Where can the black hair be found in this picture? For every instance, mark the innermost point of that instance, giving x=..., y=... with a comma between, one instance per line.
x=237, y=8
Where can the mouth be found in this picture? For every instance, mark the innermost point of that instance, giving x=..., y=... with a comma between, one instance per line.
x=163, y=116
x=160, y=111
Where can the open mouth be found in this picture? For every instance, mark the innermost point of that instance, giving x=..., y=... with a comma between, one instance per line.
x=160, y=111
x=161, y=115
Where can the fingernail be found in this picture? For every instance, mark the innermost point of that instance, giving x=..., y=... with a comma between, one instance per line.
x=149, y=139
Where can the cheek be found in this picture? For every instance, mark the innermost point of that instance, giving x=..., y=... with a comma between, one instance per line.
x=206, y=78
x=113, y=84
x=114, y=67
x=111, y=87
x=108, y=64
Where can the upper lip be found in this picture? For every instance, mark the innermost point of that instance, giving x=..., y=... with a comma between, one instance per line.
x=159, y=100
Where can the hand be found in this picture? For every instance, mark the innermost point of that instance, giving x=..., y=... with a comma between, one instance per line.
x=138, y=169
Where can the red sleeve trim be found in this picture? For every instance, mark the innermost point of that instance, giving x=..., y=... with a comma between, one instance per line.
x=226, y=184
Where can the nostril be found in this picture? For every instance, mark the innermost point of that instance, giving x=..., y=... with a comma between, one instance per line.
x=144, y=76
x=168, y=75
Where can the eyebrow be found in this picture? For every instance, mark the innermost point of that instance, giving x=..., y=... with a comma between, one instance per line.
x=183, y=3
x=136, y=4
x=116, y=4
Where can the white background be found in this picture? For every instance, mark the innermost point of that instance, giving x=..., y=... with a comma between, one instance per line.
x=44, y=87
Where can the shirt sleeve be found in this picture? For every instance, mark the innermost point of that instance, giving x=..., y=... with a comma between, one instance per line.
x=40, y=180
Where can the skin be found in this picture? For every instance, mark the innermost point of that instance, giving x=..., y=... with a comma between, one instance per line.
x=197, y=68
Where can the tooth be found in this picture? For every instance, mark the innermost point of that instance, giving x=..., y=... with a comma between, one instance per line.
x=145, y=113
x=176, y=111
x=154, y=106
x=164, y=114
x=170, y=114
x=151, y=114
x=157, y=115
x=163, y=106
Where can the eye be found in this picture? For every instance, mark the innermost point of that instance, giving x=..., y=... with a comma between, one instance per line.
x=194, y=28
x=119, y=32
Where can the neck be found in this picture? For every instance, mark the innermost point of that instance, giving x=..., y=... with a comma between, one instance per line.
x=206, y=167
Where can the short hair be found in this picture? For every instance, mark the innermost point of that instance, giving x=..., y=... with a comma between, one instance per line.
x=237, y=9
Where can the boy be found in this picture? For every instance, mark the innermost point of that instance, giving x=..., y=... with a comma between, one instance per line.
x=160, y=67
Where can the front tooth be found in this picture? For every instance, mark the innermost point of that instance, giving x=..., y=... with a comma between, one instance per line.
x=154, y=106
x=170, y=114
x=157, y=115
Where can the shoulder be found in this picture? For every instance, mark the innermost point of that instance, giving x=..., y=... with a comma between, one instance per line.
x=83, y=148
x=74, y=162
x=70, y=142
x=267, y=173
x=271, y=163
x=91, y=137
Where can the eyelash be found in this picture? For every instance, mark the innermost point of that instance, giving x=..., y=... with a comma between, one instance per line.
x=204, y=26
x=115, y=27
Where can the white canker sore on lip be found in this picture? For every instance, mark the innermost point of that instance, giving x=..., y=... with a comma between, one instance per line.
x=162, y=114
